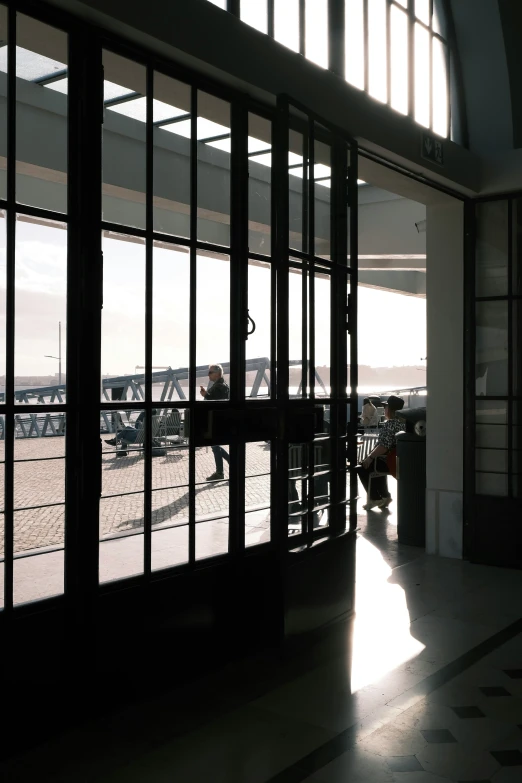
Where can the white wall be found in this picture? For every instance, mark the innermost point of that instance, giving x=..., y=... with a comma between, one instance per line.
x=445, y=378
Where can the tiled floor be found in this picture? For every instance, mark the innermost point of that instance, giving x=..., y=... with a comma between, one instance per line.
x=432, y=693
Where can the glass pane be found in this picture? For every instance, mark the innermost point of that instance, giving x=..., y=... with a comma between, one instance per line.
x=41, y=116
x=170, y=495
x=286, y=23
x=258, y=347
x=422, y=76
x=3, y=102
x=122, y=499
x=491, y=249
x=171, y=318
x=517, y=245
x=491, y=460
x=422, y=10
x=399, y=60
x=3, y=272
x=355, y=42
x=297, y=372
x=297, y=487
x=440, y=90
x=296, y=193
x=172, y=158
x=257, y=493
x=123, y=317
x=377, y=50
x=491, y=484
x=491, y=412
x=213, y=312
x=316, y=32
x=516, y=337
x=254, y=13
x=259, y=184
x=39, y=510
x=491, y=363
x=213, y=170
x=40, y=310
x=322, y=481
x=323, y=309
x=124, y=135
x=220, y=4
x=491, y=436
x=212, y=502
x=322, y=191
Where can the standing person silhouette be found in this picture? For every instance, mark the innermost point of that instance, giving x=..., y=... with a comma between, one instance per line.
x=218, y=391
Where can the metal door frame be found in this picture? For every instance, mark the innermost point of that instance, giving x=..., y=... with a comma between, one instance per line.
x=344, y=199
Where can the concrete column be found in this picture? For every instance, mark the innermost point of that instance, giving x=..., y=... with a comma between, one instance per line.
x=445, y=377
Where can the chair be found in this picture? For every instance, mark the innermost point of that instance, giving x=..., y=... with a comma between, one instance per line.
x=122, y=449
x=171, y=428
x=391, y=463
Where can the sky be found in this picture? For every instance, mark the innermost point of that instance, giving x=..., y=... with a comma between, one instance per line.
x=392, y=327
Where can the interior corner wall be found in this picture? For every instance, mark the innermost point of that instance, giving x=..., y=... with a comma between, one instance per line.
x=445, y=378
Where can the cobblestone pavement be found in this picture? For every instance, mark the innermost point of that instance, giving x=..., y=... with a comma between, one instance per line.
x=39, y=480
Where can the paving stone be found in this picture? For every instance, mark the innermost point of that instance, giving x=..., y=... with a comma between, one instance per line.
x=41, y=482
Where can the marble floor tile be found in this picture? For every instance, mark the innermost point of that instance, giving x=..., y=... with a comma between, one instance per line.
x=355, y=766
x=428, y=715
x=458, y=762
x=438, y=736
x=418, y=777
x=404, y=764
x=508, y=758
x=394, y=740
x=249, y=745
x=508, y=775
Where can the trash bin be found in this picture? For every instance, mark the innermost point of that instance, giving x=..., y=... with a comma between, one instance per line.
x=411, y=478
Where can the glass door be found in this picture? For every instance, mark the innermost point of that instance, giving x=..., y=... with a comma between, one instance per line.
x=316, y=255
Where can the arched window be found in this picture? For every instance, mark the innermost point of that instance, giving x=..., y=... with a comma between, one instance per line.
x=396, y=50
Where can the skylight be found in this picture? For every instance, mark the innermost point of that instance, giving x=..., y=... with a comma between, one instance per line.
x=112, y=90
x=256, y=145
x=61, y=85
x=137, y=109
x=205, y=129
x=222, y=144
x=264, y=160
x=30, y=65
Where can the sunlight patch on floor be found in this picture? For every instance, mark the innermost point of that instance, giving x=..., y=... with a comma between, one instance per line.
x=382, y=639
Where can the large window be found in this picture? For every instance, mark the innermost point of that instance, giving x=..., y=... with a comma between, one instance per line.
x=396, y=50
x=133, y=261
x=33, y=307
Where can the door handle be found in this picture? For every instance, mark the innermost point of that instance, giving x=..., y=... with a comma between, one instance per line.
x=253, y=329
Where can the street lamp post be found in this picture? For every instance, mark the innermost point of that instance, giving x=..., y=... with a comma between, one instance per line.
x=59, y=357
